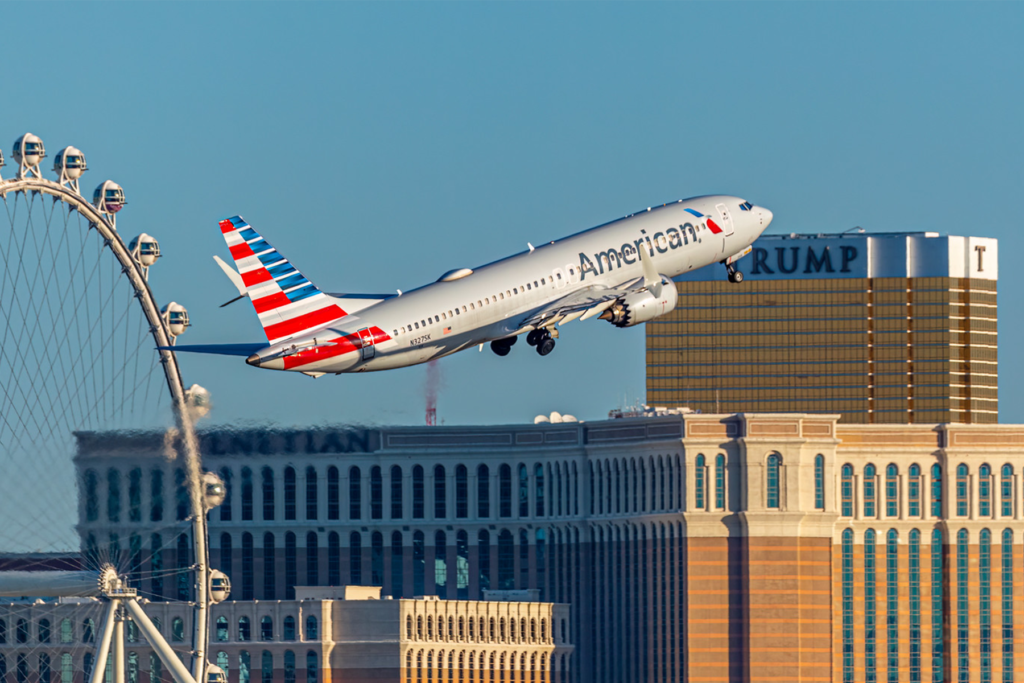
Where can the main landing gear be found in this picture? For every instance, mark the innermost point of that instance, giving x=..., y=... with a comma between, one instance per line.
x=735, y=276
x=503, y=346
x=542, y=339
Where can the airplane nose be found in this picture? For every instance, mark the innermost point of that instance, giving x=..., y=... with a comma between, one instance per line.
x=766, y=216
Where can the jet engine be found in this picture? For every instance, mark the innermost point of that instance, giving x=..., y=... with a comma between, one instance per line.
x=641, y=307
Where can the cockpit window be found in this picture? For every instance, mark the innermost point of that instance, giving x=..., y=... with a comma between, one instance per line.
x=746, y=206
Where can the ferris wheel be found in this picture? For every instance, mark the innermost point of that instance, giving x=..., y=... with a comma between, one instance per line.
x=79, y=363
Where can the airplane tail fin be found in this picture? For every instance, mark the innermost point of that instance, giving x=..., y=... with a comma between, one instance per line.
x=285, y=301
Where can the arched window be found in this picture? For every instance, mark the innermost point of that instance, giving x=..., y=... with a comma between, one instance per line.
x=67, y=631
x=376, y=559
x=936, y=490
x=396, y=492
x=484, y=559
x=819, y=482
x=21, y=631
x=440, y=564
x=720, y=481
x=870, y=611
x=397, y=564
x=290, y=493
x=223, y=661
x=266, y=628
x=961, y=490
x=643, y=486
x=267, y=667
x=700, y=475
x=985, y=491
x=156, y=496
x=88, y=631
x=483, y=492
x=248, y=582
x=461, y=492
x=419, y=563
x=772, y=498
x=44, y=630
x=962, y=598
x=291, y=565
x=312, y=559
x=333, y=559
x=184, y=562
x=269, y=568
x=892, y=491
x=538, y=476
x=524, y=491
x=1007, y=585
x=267, y=479
x=355, y=557
x=135, y=495
x=376, y=493
x=244, y=629
x=1006, y=491
x=892, y=577
x=177, y=629
x=462, y=565
x=505, y=491
x=92, y=497
x=244, y=667
x=222, y=630
x=289, y=666
x=914, y=491
x=355, y=493
x=440, y=493
x=333, y=493
x=44, y=668
x=417, y=493
x=225, y=507
x=247, y=494
x=869, y=491
x=312, y=633
x=181, y=499
x=506, y=560
x=311, y=494
x=524, y=560
x=312, y=667
x=847, y=606
x=67, y=669
x=846, y=490
x=914, y=562
x=985, y=601
x=288, y=630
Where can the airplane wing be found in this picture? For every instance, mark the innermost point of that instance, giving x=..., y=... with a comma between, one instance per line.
x=592, y=300
x=219, y=349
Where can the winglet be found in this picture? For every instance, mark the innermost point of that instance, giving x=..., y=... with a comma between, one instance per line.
x=652, y=280
x=233, y=275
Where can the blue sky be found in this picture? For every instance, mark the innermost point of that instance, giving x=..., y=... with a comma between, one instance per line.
x=379, y=145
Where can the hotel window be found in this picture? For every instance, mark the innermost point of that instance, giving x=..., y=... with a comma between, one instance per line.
x=355, y=559
x=419, y=563
x=114, y=495
x=312, y=560
x=1006, y=491
x=269, y=578
x=985, y=603
x=914, y=558
x=892, y=620
x=156, y=494
x=267, y=667
x=869, y=491
x=461, y=492
x=847, y=491
x=936, y=490
x=483, y=492
x=355, y=494
x=440, y=564
x=848, y=606
x=985, y=491
x=524, y=560
x=376, y=493
x=819, y=482
x=248, y=585
x=938, y=654
x=396, y=492
x=773, y=481
x=440, y=493
x=870, y=613
x=289, y=666
x=462, y=567
x=505, y=491
x=914, y=491
x=417, y=494
x=397, y=563
x=962, y=605
x=333, y=494
x=289, y=493
x=377, y=559
x=291, y=565
x=538, y=475
x=266, y=628
x=720, y=481
x=333, y=559
x=267, y=476
x=524, y=491
x=312, y=666
x=288, y=630
x=506, y=561
x=181, y=498
x=892, y=491
x=484, y=558
x=225, y=507
x=135, y=496
x=311, y=494
x=961, y=491
x=1007, y=611
x=699, y=481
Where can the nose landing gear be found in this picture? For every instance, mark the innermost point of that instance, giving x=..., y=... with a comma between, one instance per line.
x=735, y=276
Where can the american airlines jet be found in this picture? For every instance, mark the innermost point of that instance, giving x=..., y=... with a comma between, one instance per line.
x=621, y=271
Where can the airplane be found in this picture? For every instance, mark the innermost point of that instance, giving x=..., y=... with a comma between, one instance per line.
x=620, y=271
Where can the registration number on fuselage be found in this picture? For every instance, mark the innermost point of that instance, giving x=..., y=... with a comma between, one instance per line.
x=420, y=340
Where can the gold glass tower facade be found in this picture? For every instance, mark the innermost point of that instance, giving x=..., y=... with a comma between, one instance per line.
x=878, y=328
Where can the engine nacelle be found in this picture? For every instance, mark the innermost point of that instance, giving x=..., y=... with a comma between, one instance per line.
x=642, y=307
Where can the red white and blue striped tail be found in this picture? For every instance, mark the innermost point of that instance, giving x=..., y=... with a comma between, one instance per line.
x=286, y=302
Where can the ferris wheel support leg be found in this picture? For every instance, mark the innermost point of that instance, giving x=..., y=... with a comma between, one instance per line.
x=99, y=667
x=118, y=648
x=170, y=660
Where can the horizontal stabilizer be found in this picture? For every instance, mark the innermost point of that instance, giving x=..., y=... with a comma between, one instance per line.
x=219, y=349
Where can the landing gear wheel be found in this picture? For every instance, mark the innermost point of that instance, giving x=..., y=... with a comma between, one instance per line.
x=500, y=347
x=534, y=337
x=735, y=277
x=546, y=346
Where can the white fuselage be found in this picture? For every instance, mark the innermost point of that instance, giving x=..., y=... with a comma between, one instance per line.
x=489, y=303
